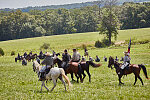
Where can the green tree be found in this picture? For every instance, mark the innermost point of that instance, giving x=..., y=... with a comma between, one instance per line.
x=109, y=22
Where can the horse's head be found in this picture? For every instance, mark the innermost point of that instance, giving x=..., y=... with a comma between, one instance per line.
x=110, y=62
x=36, y=66
x=58, y=61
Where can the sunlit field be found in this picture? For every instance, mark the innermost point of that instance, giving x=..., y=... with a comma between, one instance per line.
x=20, y=82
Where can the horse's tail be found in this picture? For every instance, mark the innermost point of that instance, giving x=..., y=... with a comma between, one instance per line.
x=67, y=79
x=94, y=65
x=144, y=70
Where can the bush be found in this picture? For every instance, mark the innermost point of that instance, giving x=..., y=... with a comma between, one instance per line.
x=105, y=41
x=12, y=53
x=45, y=46
x=1, y=52
x=99, y=44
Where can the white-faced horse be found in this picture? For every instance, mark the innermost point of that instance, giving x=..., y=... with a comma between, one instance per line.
x=53, y=74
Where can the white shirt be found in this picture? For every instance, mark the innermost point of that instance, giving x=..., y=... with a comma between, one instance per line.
x=76, y=56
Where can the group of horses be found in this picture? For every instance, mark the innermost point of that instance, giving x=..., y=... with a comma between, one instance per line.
x=73, y=67
x=56, y=72
x=29, y=57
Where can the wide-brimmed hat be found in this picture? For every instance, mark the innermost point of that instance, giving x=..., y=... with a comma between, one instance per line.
x=48, y=54
x=125, y=52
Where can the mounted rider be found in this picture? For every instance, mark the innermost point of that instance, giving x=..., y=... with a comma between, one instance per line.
x=25, y=54
x=65, y=59
x=76, y=58
x=91, y=59
x=97, y=59
x=126, y=62
x=48, y=62
x=83, y=59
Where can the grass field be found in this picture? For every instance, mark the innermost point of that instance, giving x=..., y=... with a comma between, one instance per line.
x=20, y=82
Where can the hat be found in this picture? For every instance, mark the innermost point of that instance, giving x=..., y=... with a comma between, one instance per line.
x=74, y=49
x=65, y=50
x=48, y=54
x=125, y=52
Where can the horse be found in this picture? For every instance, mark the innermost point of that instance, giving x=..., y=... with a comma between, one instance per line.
x=84, y=67
x=133, y=68
x=18, y=58
x=53, y=74
x=24, y=62
x=72, y=68
x=29, y=57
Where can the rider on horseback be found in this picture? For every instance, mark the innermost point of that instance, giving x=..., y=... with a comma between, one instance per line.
x=65, y=58
x=48, y=62
x=126, y=62
x=76, y=58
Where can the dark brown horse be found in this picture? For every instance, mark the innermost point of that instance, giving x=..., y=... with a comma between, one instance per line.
x=18, y=58
x=30, y=57
x=133, y=68
x=72, y=68
x=84, y=67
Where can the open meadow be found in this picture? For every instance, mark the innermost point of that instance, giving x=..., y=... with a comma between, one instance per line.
x=20, y=82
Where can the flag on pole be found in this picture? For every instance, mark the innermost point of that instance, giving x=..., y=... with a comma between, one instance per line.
x=129, y=46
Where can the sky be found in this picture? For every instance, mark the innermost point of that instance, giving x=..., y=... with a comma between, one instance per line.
x=25, y=3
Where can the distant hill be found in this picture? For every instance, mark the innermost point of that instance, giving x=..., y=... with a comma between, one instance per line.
x=67, y=6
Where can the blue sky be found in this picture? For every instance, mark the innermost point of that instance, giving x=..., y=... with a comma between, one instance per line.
x=26, y=3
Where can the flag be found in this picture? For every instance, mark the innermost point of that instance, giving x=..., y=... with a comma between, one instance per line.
x=129, y=46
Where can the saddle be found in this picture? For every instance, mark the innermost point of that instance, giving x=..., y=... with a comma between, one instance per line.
x=42, y=75
x=74, y=63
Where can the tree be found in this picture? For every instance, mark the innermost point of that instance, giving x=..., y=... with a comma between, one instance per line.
x=109, y=22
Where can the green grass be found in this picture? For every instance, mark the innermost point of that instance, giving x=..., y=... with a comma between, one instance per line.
x=20, y=82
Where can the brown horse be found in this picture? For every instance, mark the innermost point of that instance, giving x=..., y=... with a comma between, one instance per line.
x=31, y=57
x=72, y=68
x=133, y=68
x=84, y=67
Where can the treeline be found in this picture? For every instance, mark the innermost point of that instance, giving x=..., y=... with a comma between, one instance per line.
x=18, y=24
x=68, y=6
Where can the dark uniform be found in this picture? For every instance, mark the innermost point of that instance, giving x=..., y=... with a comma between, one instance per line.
x=65, y=58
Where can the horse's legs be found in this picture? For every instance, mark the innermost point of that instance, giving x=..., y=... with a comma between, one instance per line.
x=83, y=74
x=120, y=79
x=140, y=80
x=45, y=87
x=77, y=78
x=89, y=75
x=42, y=85
x=80, y=77
x=54, y=81
x=60, y=77
x=135, y=79
x=72, y=77
x=79, y=73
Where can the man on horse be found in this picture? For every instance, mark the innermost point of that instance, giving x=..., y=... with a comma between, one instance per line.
x=48, y=62
x=126, y=62
x=85, y=52
x=97, y=59
x=65, y=59
x=91, y=59
x=25, y=54
x=76, y=58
